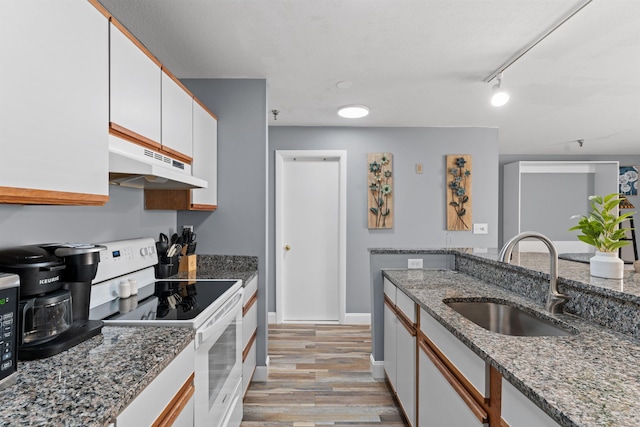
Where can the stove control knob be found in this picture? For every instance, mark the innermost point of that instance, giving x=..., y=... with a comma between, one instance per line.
x=144, y=252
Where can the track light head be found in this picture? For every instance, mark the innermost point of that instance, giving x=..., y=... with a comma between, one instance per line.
x=499, y=96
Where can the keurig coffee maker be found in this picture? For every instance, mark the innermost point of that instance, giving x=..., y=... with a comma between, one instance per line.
x=55, y=286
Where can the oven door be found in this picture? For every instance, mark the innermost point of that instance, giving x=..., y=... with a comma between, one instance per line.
x=219, y=365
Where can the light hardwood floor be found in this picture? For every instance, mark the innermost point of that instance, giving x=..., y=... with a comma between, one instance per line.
x=319, y=375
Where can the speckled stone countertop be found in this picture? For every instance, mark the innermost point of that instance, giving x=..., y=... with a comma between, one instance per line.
x=91, y=383
x=224, y=267
x=587, y=379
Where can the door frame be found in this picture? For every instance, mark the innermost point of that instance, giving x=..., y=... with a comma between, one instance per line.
x=288, y=155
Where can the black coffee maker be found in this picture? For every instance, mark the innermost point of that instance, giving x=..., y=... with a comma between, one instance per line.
x=55, y=288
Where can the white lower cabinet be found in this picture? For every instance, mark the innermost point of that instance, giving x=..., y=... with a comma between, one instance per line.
x=519, y=411
x=440, y=404
x=400, y=348
x=390, y=345
x=168, y=400
x=249, y=332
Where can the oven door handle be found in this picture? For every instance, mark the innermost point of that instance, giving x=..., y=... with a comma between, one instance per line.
x=228, y=311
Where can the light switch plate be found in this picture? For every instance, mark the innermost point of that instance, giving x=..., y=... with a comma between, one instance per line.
x=415, y=263
x=418, y=167
x=480, y=228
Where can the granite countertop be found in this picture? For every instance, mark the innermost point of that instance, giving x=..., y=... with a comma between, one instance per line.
x=91, y=383
x=587, y=379
x=575, y=273
x=224, y=267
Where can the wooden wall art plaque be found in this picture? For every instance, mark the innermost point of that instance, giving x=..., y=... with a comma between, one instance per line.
x=380, y=183
x=459, y=176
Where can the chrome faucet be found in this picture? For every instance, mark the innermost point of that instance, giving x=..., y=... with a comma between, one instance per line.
x=555, y=300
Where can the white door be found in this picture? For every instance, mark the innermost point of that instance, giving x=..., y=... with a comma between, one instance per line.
x=310, y=216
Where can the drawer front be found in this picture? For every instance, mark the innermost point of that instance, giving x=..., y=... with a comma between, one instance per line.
x=390, y=290
x=465, y=360
x=250, y=288
x=406, y=305
x=249, y=324
x=248, y=368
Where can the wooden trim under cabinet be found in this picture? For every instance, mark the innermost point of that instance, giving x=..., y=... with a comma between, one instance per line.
x=172, y=411
x=30, y=196
x=131, y=136
x=173, y=200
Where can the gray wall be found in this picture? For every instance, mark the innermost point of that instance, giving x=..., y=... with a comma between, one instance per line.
x=420, y=199
x=581, y=190
x=551, y=200
x=238, y=226
x=123, y=217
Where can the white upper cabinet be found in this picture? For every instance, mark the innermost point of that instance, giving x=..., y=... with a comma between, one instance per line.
x=205, y=158
x=54, y=98
x=177, y=117
x=135, y=87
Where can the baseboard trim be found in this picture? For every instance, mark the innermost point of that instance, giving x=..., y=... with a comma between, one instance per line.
x=357, y=319
x=261, y=373
x=377, y=368
x=349, y=319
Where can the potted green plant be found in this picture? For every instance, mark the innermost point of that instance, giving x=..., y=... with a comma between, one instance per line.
x=601, y=229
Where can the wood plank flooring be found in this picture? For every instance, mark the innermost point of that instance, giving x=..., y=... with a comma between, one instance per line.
x=319, y=375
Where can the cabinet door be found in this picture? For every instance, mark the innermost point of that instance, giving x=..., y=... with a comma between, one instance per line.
x=205, y=158
x=135, y=87
x=440, y=405
x=406, y=371
x=177, y=118
x=390, y=322
x=53, y=102
x=519, y=411
x=159, y=397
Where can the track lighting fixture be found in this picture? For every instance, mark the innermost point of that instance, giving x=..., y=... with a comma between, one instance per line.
x=499, y=96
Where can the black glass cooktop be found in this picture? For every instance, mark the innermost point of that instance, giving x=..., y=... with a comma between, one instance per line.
x=165, y=300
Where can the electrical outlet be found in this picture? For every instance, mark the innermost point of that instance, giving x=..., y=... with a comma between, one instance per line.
x=480, y=228
x=415, y=263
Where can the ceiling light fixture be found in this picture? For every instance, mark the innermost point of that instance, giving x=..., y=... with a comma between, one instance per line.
x=353, y=111
x=499, y=96
x=498, y=72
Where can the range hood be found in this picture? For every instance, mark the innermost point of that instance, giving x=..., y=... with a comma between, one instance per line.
x=132, y=165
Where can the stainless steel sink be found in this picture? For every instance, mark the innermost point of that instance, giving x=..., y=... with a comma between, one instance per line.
x=507, y=319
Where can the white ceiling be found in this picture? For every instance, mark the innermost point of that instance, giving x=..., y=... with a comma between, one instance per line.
x=418, y=62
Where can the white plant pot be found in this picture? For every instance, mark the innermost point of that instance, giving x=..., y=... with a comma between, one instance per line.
x=606, y=265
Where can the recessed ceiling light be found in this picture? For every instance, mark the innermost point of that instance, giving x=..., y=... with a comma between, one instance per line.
x=353, y=111
x=346, y=84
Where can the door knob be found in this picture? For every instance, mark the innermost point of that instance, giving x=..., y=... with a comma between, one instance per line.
x=287, y=247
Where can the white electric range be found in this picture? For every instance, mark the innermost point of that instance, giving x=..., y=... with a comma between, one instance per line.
x=213, y=308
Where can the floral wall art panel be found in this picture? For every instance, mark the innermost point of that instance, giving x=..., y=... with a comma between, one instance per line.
x=459, y=192
x=380, y=198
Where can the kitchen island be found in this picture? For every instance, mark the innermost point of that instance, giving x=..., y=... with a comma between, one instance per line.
x=91, y=383
x=588, y=378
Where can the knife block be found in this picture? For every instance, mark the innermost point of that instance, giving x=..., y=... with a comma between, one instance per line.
x=188, y=264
